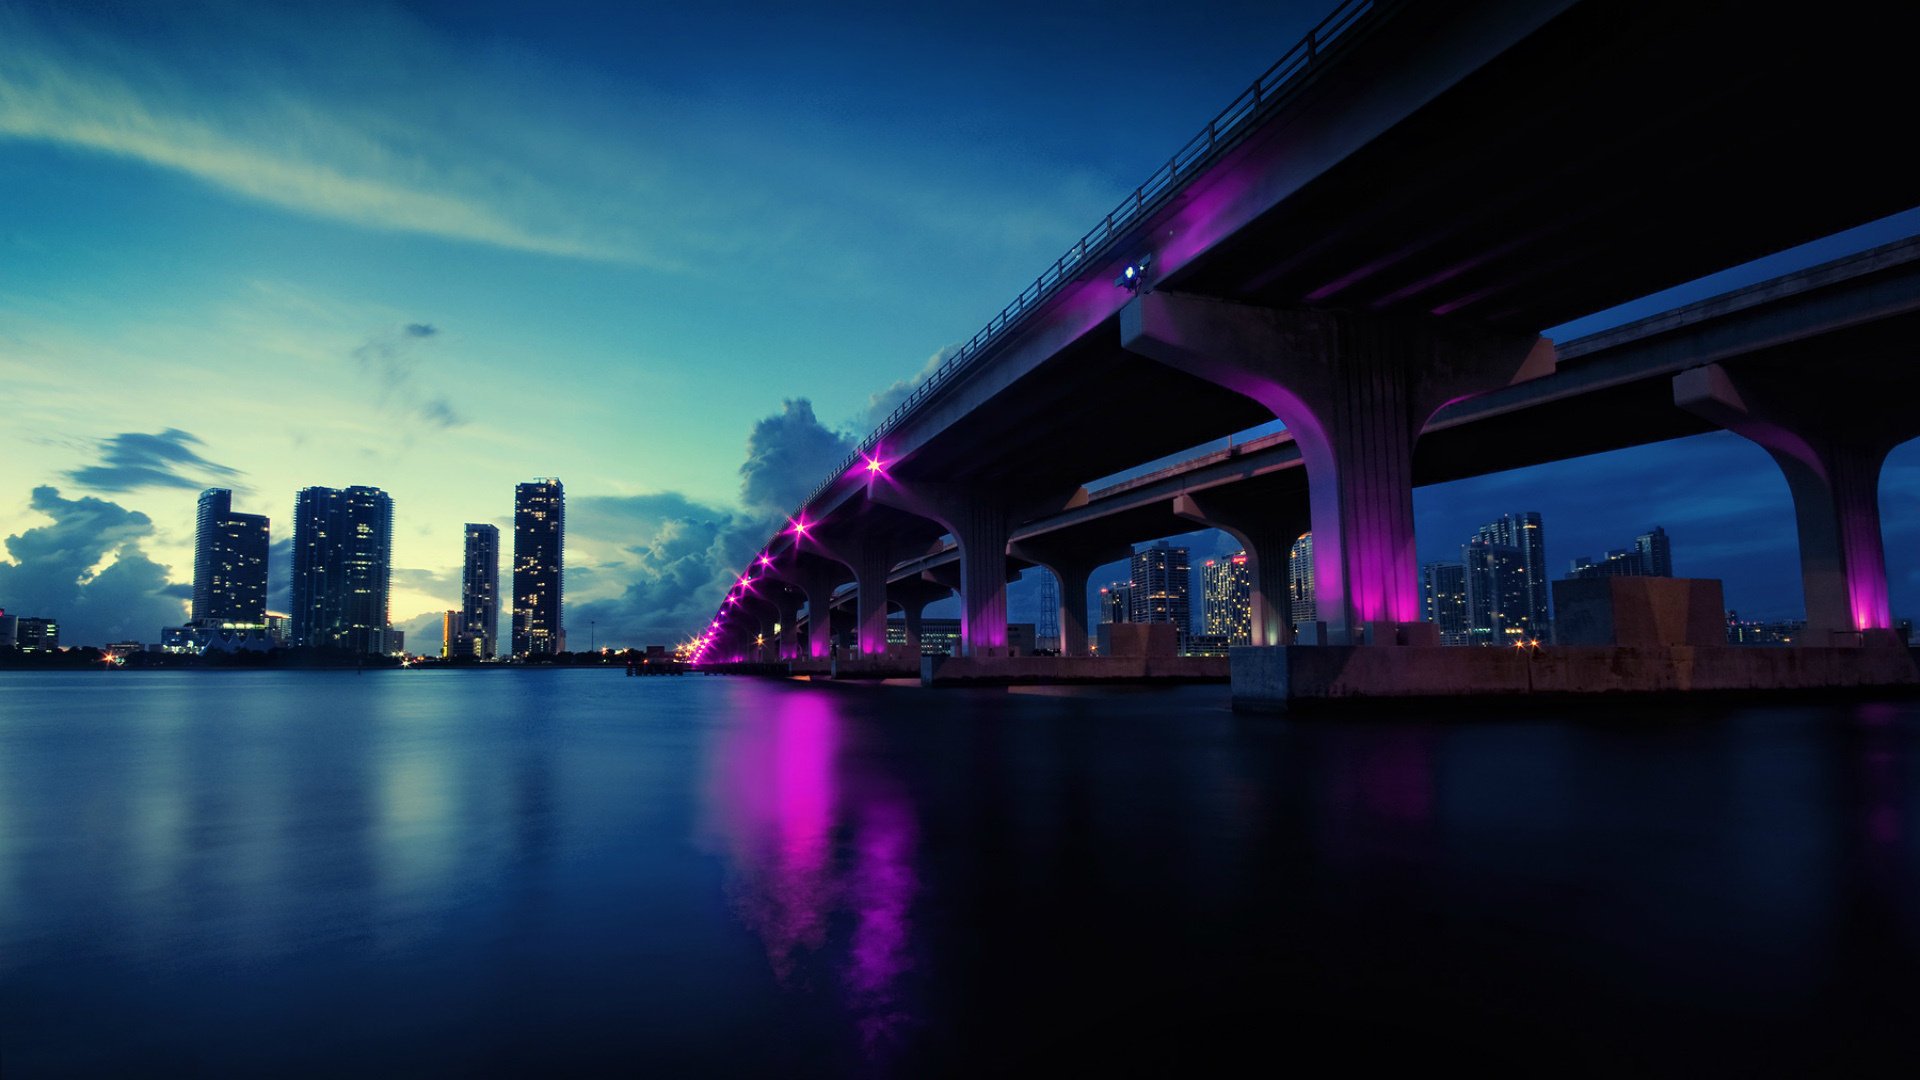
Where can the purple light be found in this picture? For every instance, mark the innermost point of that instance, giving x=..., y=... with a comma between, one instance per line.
x=799, y=525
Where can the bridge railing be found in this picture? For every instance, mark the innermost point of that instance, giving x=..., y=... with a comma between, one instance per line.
x=1221, y=133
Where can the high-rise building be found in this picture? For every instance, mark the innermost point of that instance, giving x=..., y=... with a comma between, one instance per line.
x=539, y=539
x=480, y=592
x=1227, y=599
x=454, y=639
x=9, y=629
x=342, y=567
x=229, y=563
x=1160, y=587
x=1521, y=532
x=36, y=635
x=1498, y=598
x=1443, y=601
x=1650, y=556
x=1114, y=602
x=1301, y=606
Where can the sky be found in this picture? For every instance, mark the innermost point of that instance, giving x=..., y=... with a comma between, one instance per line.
x=676, y=256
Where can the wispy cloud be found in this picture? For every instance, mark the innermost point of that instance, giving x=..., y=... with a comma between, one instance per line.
x=390, y=358
x=132, y=460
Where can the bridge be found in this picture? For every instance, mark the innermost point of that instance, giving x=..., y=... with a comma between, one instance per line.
x=1365, y=245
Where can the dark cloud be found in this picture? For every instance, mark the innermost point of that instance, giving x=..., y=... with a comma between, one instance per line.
x=681, y=556
x=132, y=460
x=392, y=358
x=52, y=572
x=787, y=454
x=882, y=403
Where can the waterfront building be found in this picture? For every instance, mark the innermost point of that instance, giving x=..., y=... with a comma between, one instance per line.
x=539, y=540
x=1114, y=600
x=9, y=629
x=1498, y=599
x=1301, y=607
x=1443, y=601
x=941, y=637
x=454, y=639
x=279, y=629
x=1227, y=599
x=1526, y=617
x=34, y=635
x=1650, y=556
x=342, y=568
x=1159, y=587
x=480, y=593
x=229, y=563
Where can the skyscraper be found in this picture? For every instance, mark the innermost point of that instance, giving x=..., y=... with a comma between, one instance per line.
x=1160, y=587
x=342, y=567
x=1656, y=555
x=1522, y=533
x=1443, y=600
x=1302, y=608
x=1497, y=593
x=229, y=563
x=1227, y=599
x=1650, y=556
x=1113, y=602
x=480, y=593
x=539, y=537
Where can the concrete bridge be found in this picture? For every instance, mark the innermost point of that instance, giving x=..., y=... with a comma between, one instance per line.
x=1365, y=246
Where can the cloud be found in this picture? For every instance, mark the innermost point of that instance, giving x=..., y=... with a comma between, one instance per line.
x=883, y=402
x=132, y=460
x=56, y=572
x=787, y=454
x=392, y=358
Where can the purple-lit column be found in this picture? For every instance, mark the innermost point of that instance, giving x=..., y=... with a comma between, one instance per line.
x=868, y=559
x=1355, y=391
x=1831, y=460
x=977, y=520
x=1268, y=533
x=1072, y=567
x=817, y=578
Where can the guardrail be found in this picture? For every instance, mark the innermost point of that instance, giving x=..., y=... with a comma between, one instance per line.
x=1221, y=133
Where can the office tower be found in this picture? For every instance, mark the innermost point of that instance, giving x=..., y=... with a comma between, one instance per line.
x=1656, y=555
x=1301, y=606
x=36, y=635
x=342, y=566
x=1160, y=587
x=1498, y=596
x=1227, y=598
x=1114, y=602
x=1522, y=533
x=480, y=592
x=229, y=563
x=1443, y=601
x=454, y=639
x=539, y=537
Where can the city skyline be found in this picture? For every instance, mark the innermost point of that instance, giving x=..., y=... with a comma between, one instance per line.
x=363, y=271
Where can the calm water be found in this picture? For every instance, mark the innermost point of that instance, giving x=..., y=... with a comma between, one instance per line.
x=526, y=871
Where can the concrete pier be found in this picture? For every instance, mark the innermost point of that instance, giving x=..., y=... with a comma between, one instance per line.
x=1283, y=678
x=1063, y=670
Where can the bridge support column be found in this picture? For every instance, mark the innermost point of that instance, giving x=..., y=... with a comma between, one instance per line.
x=816, y=578
x=912, y=596
x=1268, y=534
x=868, y=560
x=1355, y=390
x=788, y=606
x=1831, y=454
x=978, y=521
x=1072, y=567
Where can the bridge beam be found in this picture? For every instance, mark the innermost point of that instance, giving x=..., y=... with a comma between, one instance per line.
x=1831, y=453
x=868, y=558
x=1268, y=533
x=912, y=596
x=1071, y=565
x=977, y=519
x=816, y=577
x=1355, y=390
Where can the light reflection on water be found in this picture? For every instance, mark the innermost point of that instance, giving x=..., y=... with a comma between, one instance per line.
x=566, y=871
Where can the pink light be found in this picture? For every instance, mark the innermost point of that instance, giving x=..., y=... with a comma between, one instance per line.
x=765, y=559
x=799, y=525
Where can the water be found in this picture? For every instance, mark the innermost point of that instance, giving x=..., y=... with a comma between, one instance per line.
x=540, y=871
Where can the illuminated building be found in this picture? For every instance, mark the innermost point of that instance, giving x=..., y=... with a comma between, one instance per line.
x=1160, y=587
x=229, y=563
x=539, y=539
x=454, y=639
x=1525, y=616
x=33, y=635
x=1227, y=599
x=1300, y=602
x=480, y=593
x=1497, y=594
x=1113, y=602
x=342, y=567
x=1650, y=556
x=941, y=637
x=1443, y=601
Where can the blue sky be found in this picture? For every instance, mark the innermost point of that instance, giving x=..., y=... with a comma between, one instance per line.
x=441, y=249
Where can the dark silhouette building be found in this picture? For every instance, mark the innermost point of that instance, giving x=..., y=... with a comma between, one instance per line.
x=539, y=540
x=229, y=563
x=479, y=627
x=342, y=568
x=1443, y=601
x=1650, y=556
